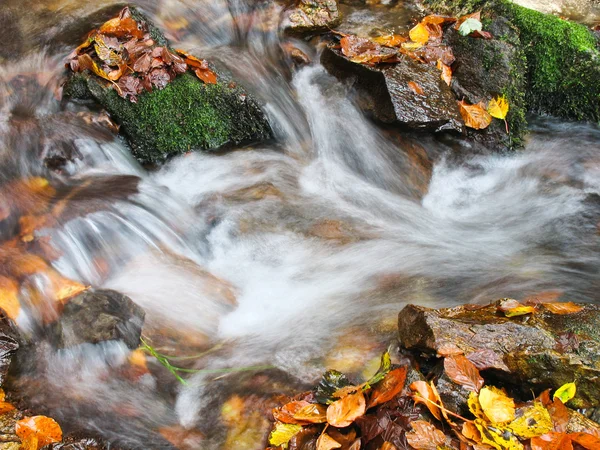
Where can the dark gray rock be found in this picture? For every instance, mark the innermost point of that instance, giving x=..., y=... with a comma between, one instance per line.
x=99, y=315
x=8, y=347
x=312, y=16
x=384, y=92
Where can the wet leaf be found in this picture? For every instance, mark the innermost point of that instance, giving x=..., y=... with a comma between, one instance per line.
x=586, y=440
x=331, y=382
x=63, y=288
x=38, y=431
x=469, y=26
x=419, y=34
x=446, y=72
x=424, y=393
x=384, y=367
x=387, y=446
x=425, y=436
x=344, y=411
x=365, y=51
x=312, y=413
x=462, y=371
x=389, y=387
x=282, y=433
x=9, y=298
x=287, y=412
x=122, y=27
x=519, y=311
x=497, y=438
x=475, y=407
x=206, y=75
x=85, y=61
x=498, y=107
x=566, y=392
x=532, y=420
x=552, y=441
x=326, y=442
x=480, y=34
x=475, y=116
x=392, y=40
x=563, y=308
x=415, y=88
x=476, y=15
x=560, y=415
x=470, y=431
x=438, y=20
x=496, y=405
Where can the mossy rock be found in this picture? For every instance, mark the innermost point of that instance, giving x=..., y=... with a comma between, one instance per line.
x=186, y=115
x=562, y=57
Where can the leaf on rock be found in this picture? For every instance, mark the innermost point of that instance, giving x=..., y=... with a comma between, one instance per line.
x=563, y=308
x=326, y=442
x=282, y=433
x=122, y=27
x=475, y=116
x=512, y=308
x=331, y=382
x=345, y=411
x=446, y=71
x=532, y=420
x=38, y=431
x=365, y=51
x=424, y=394
x=391, y=385
x=498, y=107
x=476, y=15
x=63, y=288
x=425, y=436
x=414, y=86
x=551, y=441
x=586, y=440
x=462, y=371
x=496, y=405
x=438, y=20
x=312, y=413
x=481, y=34
x=566, y=392
x=419, y=34
x=392, y=40
x=560, y=415
x=206, y=75
x=469, y=26
x=498, y=438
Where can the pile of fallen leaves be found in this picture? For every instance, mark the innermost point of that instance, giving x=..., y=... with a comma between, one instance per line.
x=123, y=53
x=424, y=45
x=384, y=414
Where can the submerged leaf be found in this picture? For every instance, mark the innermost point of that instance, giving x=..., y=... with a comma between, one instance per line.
x=282, y=433
x=9, y=298
x=566, y=392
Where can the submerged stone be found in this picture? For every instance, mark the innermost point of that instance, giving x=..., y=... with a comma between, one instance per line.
x=384, y=92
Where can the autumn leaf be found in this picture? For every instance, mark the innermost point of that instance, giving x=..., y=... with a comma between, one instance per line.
x=424, y=394
x=419, y=34
x=38, y=431
x=424, y=436
x=512, y=308
x=566, y=392
x=326, y=442
x=496, y=437
x=474, y=115
x=282, y=433
x=331, y=382
x=287, y=412
x=438, y=20
x=462, y=371
x=9, y=298
x=391, y=385
x=392, y=40
x=469, y=26
x=122, y=27
x=562, y=308
x=496, y=405
x=474, y=406
x=532, y=420
x=206, y=75
x=476, y=15
x=344, y=411
x=446, y=71
x=551, y=441
x=498, y=107
x=586, y=440
x=560, y=415
x=415, y=88
x=312, y=413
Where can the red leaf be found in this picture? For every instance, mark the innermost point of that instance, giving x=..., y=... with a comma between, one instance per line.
x=551, y=441
x=425, y=392
x=425, y=436
x=389, y=387
x=463, y=372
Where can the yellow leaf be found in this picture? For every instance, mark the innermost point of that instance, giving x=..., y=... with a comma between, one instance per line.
x=496, y=405
x=498, y=438
x=9, y=298
x=566, y=392
x=474, y=406
x=38, y=431
x=410, y=46
x=419, y=34
x=474, y=115
x=534, y=420
x=519, y=311
x=282, y=433
x=498, y=107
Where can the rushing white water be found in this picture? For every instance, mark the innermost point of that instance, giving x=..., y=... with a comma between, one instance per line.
x=279, y=250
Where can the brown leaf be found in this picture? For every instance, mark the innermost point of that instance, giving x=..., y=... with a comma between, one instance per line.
x=551, y=441
x=325, y=442
x=559, y=413
x=475, y=116
x=486, y=359
x=142, y=64
x=415, y=88
x=586, y=440
x=435, y=31
x=475, y=15
x=38, y=430
x=432, y=53
x=446, y=71
x=343, y=412
x=206, y=75
x=286, y=413
x=481, y=34
x=388, y=446
x=9, y=297
x=389, y=387
x=563, y=308
x=425, y=436
x=542, y=297
x=392, y=40
x=438, y=20
x=462, y=371
x=122, y=27
x=312, y=413
x=364, y=51
x=159, y=78
x=425, y=392
x=130, y=86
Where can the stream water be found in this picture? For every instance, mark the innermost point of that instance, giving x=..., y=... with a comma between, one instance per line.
x=295, y=255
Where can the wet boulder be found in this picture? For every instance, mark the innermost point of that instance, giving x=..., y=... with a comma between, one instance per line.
x=178, y=112
x=8, y=346
x=312, y=16
x=96, y=316
x=533, y=351
x=385, y=92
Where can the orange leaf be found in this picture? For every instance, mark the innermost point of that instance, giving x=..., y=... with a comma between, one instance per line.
x=560, y=415
x=551, y=441
x=326, y=442
x=391, y=385
x=563, y=308
x=475, y=116
x=586, y=440
x=312, y=413
x=470, y=431
x=425, y=436
x=206, y=75
x=9, y=298
x=438, y=20
x=463, y=372
x=424, y=392
x=446, y=72
x=415, y=88
x=388, y=446
x=38, y=430
x=121, y=27
x=63, y=288
x=343, y=412
x=419, y=34
x=392, y=40
x=286, y=413
x=434, y=30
